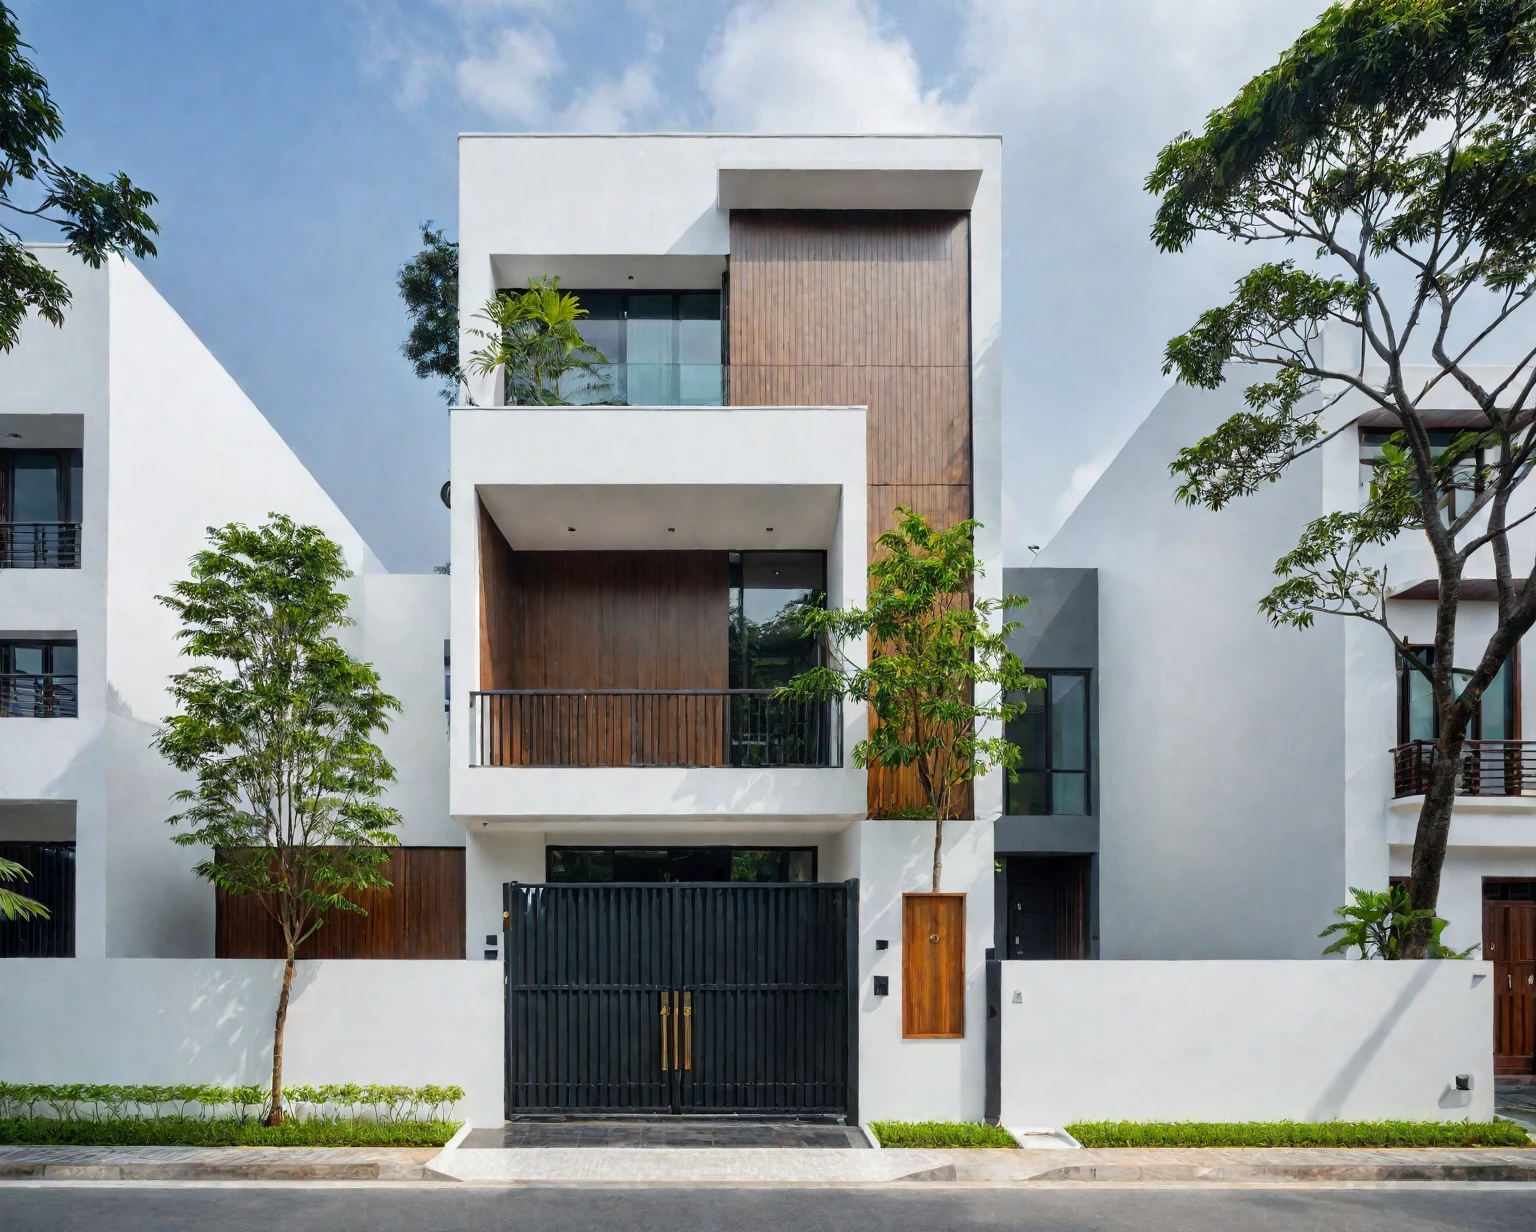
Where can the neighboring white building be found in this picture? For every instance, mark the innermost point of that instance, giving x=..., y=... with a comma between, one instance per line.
x=1247, y=772
x=121, y=441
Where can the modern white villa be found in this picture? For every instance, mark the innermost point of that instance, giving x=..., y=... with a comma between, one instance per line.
x=632, y=880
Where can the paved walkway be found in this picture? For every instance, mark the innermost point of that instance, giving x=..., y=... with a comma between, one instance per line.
x=672, y=1132
x=220, y=1163
x=790, y=1166
x=1517, y=1101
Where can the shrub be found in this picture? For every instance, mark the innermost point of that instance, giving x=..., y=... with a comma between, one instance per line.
x=337, y=1104
x=1300, y=1133
x=220, y=1131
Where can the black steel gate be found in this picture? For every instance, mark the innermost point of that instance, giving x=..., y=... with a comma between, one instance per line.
x=699, y=998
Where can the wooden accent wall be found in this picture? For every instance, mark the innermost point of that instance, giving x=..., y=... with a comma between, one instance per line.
x=933, y=966
x=849, y=308
x=420, y=915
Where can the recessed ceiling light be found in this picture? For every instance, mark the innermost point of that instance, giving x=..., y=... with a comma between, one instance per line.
x=671, y=530
x=572, y=529
x=769, y=529
x=15, y=436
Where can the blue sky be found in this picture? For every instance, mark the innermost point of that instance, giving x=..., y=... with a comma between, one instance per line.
x=295, y=146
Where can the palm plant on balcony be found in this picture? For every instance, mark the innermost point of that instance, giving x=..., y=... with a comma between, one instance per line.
x=1388, y=155
x=531, y=337
x=275, y=723
x=939, y=678
x=14, y=906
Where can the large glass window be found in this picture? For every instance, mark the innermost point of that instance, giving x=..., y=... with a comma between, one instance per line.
x=663, y=347
x=39, y=679
x=40, y=485
x=652, y=864
x=1497, y=718
x=770, y=593
x=1053, y=740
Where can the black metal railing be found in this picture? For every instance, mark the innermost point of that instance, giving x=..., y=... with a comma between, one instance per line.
x=39, y=545
x=24, y=695
x=1485, y=768
x=653, y=727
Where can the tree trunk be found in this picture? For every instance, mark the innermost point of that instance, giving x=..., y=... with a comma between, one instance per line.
x=1429, y=842
x=938, y=847
x=275, y=1112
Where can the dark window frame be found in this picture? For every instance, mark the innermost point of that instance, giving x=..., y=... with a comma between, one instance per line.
x=1405, y=674
x=47, y=703
x=68, y=463
x=738, y=670
x=1012, y=789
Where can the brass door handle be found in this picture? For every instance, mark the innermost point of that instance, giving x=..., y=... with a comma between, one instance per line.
x=688, y=1030
x=665, y=1012
x=677, y=1056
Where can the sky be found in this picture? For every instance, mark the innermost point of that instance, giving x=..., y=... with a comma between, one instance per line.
x=296, y=145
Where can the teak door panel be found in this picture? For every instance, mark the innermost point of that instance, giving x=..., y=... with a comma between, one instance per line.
x=933, y=966
x=1509, y=941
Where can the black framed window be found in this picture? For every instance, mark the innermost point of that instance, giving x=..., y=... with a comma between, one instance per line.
x=39, y=679
x=769, y=595
x=1053, y=736
x=1497, y=718
x=40, y=485
x=50, y=881
x=655, y=864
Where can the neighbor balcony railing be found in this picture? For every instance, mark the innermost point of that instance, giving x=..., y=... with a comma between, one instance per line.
x=653, y=727
x=1485, y=768
x=39, y=545
x=27, y=696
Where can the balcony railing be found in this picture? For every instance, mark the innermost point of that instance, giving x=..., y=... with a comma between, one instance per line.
x=26, y=696
x=1486, y=768
x=39, y=545
x=648, y=385
x=653, y=727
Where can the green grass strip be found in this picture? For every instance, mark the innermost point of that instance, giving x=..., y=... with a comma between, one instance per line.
x=1299, y=1133
x=174, y=1131
x=940, y=1134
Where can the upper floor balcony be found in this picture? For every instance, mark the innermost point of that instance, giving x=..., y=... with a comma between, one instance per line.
x=1485, y=768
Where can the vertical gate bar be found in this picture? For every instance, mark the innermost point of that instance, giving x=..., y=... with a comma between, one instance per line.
x=851, y=1001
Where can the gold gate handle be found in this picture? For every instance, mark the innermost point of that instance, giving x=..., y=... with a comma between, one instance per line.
x=688, y=1030
x=665, y=1010
x=677, y=1054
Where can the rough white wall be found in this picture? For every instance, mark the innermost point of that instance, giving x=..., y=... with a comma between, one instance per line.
x=1221, y=738
x=206, y=1020
x=1245, y=1041
x=920, y=1079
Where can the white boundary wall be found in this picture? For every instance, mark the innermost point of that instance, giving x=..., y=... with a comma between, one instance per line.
x=155, y=1020
x=1245, y=1041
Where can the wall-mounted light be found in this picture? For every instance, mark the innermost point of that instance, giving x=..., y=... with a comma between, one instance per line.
x=882, y=986
x=1463, y=1082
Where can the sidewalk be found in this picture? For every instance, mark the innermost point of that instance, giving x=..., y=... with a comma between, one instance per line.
x=223, y=1163
x=790, y=1166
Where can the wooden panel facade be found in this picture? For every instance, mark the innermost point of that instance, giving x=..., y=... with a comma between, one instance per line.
x=420, y=915
x=933, y=966
x=851, y=308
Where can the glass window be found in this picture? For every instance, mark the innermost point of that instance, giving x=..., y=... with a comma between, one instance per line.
x=770, y=593
x=674, y=864
x=1055, y=758
x=34, y=495
x=1416, y=718
x=663, y=348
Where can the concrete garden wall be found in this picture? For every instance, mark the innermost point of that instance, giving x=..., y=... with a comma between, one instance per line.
x=1245, y=1041
x=152, y=1020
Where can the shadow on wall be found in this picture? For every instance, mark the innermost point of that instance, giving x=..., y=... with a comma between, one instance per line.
x=1334, y=1096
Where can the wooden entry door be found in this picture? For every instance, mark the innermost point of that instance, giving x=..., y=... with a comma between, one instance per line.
x=1509, y=942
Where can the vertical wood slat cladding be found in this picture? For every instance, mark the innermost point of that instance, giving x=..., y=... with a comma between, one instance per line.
x=859, y=308
x=933, y=966
x=420, y=915
x=606, y=620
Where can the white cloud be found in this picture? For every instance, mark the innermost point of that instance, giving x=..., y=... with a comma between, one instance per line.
x=510, y=81
x=615, y=104
x=820, y=66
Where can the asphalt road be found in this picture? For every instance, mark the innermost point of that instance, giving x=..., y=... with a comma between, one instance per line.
x=123, y=1208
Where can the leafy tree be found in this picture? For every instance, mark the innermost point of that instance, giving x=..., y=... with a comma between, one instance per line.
x=14, y=906
x=533, y=339
x=97, y=219
x=276, y=721
x=1378, y=922
x=1389, y=155
x=937, y=671
x=429, y=285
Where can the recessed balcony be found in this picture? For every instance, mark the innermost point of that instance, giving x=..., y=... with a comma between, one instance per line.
x=40, y=497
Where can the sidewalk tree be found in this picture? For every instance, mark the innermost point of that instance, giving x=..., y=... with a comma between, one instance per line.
x=1389, y=155
x=532, y=339
x=276, y=722
x=939, y=671
x=429, y=285
x=96, y=218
